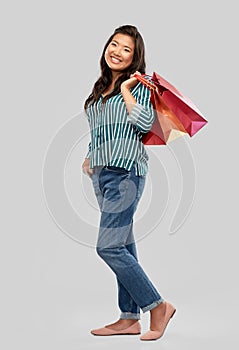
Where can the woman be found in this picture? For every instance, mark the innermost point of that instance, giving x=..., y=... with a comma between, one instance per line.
x=119, y=111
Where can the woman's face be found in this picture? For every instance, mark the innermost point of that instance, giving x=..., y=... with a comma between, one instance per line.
x=120, y=52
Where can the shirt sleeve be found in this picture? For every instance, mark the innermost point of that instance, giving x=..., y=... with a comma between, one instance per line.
x=142, y=114
x=89, y=151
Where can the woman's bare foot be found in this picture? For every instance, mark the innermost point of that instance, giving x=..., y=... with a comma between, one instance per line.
x=121, y=324
x=157, y=315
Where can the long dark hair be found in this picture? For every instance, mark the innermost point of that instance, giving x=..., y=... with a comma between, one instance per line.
x=138, y=64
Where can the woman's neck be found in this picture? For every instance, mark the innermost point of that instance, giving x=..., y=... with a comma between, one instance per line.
x=110, y=88
x=115, y=76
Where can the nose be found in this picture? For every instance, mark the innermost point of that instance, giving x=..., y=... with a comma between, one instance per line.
x=116, y=51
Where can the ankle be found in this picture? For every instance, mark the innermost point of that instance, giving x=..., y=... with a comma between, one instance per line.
x=161, y=308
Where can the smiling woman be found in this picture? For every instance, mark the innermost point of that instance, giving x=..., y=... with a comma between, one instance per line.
x=124, y=39
x=119, y=54
x=119, y=112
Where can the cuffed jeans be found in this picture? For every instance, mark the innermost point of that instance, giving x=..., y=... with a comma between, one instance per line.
x=118, y=192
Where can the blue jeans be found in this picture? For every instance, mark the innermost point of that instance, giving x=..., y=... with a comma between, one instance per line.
x=118, y=192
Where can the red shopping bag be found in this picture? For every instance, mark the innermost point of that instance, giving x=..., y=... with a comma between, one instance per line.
x=176, y=114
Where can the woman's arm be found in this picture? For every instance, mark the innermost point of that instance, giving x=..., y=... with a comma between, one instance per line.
x=129, y=99
x=140, y=109
x=86, y=164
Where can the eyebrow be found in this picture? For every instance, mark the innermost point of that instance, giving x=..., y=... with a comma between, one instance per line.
x=124, y=45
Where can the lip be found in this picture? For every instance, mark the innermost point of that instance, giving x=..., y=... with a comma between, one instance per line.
x=115, y=60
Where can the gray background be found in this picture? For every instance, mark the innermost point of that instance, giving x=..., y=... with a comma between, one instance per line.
x=53, y=289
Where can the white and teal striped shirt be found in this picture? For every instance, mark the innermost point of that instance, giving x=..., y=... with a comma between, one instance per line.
x=116, y=135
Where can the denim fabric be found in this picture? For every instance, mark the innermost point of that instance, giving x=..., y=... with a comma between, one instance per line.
x=118, y=192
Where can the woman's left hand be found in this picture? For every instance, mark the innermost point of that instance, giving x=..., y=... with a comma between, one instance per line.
x=131, y=82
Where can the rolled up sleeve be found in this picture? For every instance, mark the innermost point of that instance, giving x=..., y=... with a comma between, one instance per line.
x=142, y=114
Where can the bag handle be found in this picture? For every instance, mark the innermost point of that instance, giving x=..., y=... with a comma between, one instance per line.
x=146, y=82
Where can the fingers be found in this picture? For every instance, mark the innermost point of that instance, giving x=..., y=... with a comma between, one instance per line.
x=87, y=171
x=135, y=73
x=86, y=167
x=90, y=171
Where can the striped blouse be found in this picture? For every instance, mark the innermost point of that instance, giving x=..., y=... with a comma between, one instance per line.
x=116, y=135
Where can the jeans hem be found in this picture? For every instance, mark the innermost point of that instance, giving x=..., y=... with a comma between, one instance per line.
x=153, y=305
x=129, y=316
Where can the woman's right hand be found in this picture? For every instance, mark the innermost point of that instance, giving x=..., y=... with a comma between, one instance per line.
x=86, y=167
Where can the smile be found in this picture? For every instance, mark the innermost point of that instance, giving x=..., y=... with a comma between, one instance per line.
x=115, y=60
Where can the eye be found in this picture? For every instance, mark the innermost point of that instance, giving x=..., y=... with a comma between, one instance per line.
x=127, y=50
x=113, y=44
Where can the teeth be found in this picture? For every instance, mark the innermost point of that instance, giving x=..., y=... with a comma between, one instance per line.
x=116, y=60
